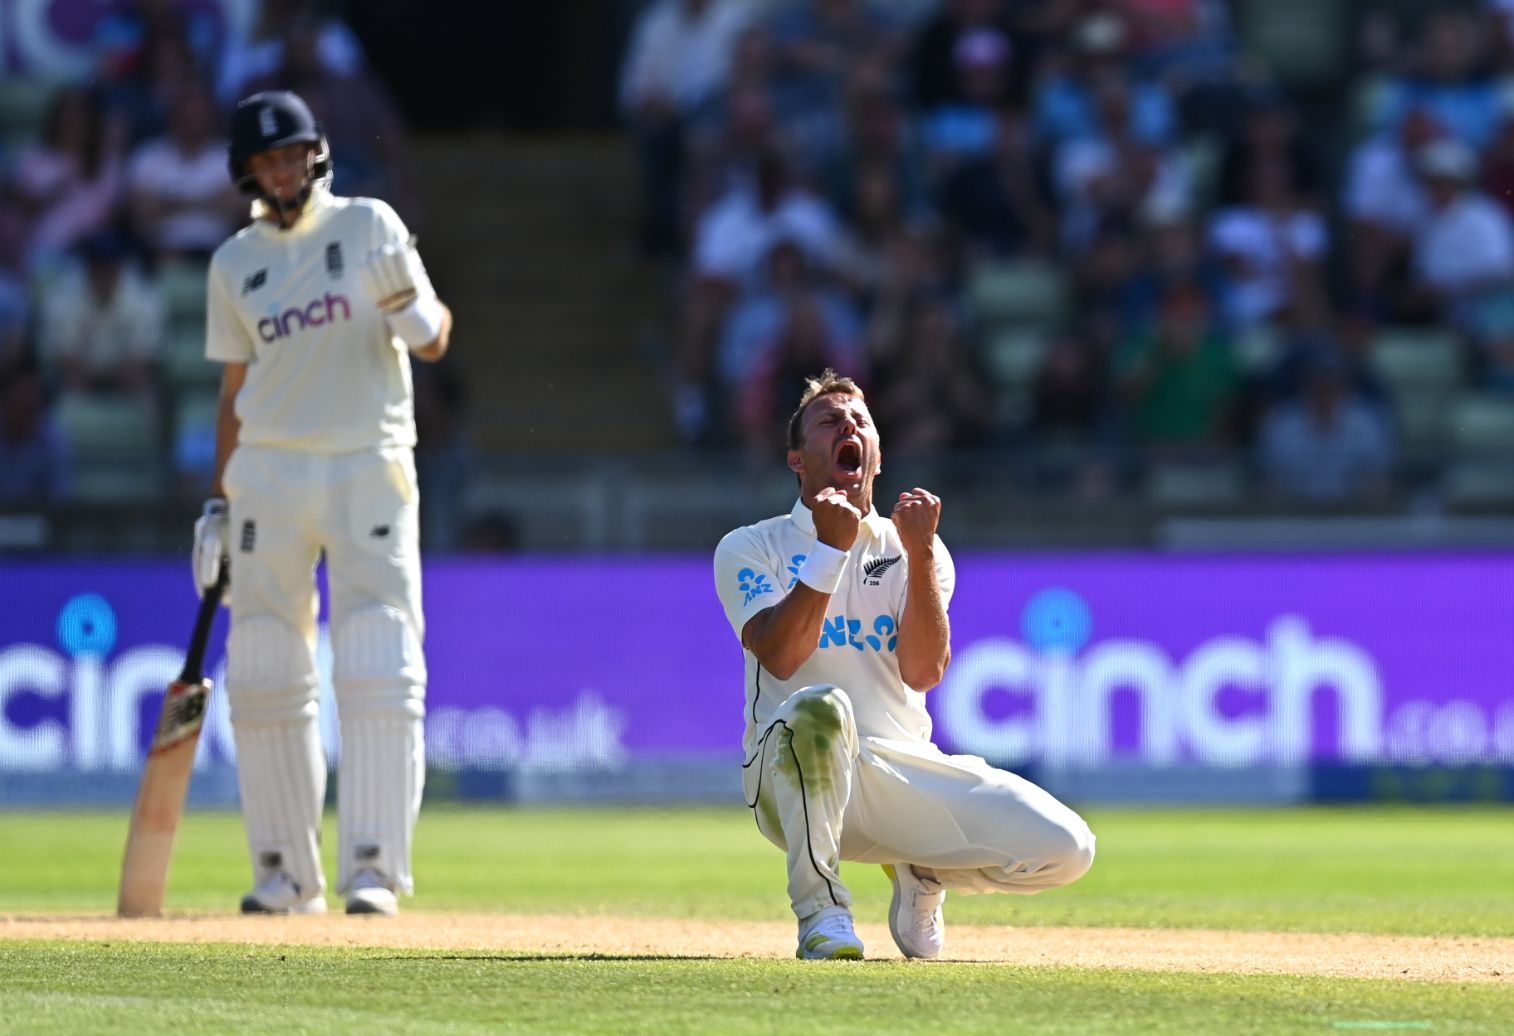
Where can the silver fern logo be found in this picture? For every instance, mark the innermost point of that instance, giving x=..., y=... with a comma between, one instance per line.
x=874, y=570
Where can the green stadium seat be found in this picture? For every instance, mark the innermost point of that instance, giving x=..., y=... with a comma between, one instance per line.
x=183, y=286
x=23, y=108
x=1195, y=484
x=184, y=362
x=115, y=447
x=1472, y=484
x=1014, y=356
x=1482, y=425
x=1417, y=361
x=1026, y=293
x=107, y=425
x=1421, y=421
x=1301, y=42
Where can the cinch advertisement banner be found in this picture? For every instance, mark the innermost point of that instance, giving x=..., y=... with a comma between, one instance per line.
x=1059, y=661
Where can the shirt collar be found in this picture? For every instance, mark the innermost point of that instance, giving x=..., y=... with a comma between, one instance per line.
x=316, y=208
x=801, y=517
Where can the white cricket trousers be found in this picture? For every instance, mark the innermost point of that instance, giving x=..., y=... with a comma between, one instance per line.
x=823, y=794
x=360, y=509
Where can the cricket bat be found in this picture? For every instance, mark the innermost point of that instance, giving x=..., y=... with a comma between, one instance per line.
x=165, y=778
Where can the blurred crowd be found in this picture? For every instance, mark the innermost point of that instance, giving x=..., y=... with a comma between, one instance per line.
x=114, y=191
x=1096, y=234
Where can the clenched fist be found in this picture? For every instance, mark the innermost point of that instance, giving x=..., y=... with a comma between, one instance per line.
x=916, y=516
x=836, y=519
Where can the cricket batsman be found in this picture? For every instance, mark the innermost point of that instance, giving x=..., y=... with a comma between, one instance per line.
x=842, y=619
x=315, y=310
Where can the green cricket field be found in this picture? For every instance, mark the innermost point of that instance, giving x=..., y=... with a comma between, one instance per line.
x=634, y=920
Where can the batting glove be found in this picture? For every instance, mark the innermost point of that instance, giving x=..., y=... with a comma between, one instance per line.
x=396, y=281
x=212, y=533
x=391, y=277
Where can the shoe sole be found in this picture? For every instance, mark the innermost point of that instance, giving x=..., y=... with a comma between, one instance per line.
x=845, y=953
x=254, y=906
x=893, y=911
x=369, y=910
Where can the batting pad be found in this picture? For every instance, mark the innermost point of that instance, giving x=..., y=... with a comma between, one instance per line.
x=281, y=770
x=379, y=676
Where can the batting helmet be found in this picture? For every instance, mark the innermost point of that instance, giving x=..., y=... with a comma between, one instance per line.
x=271, y=119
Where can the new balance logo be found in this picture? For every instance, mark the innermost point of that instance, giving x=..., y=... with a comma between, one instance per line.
x=334, y=259
x=249, y=535
x=873, y=571
x=255, y=281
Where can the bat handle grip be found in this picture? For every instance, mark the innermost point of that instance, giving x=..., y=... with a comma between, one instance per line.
x=194, y=658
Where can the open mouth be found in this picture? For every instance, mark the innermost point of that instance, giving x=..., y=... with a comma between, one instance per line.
x=849, y=458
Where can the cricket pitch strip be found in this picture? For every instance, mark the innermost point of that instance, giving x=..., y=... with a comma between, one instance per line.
x=1402, y=957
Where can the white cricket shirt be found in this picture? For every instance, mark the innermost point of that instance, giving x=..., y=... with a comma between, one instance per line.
x=324, y=372
x=757, y=565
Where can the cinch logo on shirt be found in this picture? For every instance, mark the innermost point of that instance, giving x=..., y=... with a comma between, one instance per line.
x=842, y=632
x=296, y=318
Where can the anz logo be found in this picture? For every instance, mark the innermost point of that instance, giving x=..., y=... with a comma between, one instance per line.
x=753, y=584
x=844, y=632
x=296, y=318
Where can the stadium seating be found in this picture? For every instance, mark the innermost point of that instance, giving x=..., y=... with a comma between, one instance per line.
x=115, y=447
x=1024, y=293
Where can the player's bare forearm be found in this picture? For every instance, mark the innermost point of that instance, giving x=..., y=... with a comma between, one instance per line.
x=435, y=350
x=785, y=635
x=228, y=427
x=924, y=648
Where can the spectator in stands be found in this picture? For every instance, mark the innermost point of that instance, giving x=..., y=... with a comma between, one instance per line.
x=143, y=92
x=1067, y=101
x=181, y=201
x=804, y=339
x=1331, y=445
x=1348, y=343
x=1465, y=251
x=34, y=461
x=69, y=183
x=1448, y=78
x=931, y=397
x=1112, y=174
x=1385, y=203
x=878, y=136
x=1498, y=162
x=678, y=59
x=359, y=117
x=757, y=321
x=261, y=53
x=820, y=44
x=1272, y=245
x=935, y=61
x=1171, y=259
x=1070, y=397
x=1179, y=381
x=965, y=125
x=732, y=239
x=102, y=323
x=1268, y=132
x=998, y=204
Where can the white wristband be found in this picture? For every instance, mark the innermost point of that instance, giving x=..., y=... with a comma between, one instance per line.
x=823, y=568
x=419, y=323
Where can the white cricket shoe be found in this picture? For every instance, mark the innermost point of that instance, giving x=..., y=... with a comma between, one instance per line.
x=828, y=935
x=914, y=914
x=279, y=894
x=369, y=892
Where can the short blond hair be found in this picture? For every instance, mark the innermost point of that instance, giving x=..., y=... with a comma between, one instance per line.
x=828, y=383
